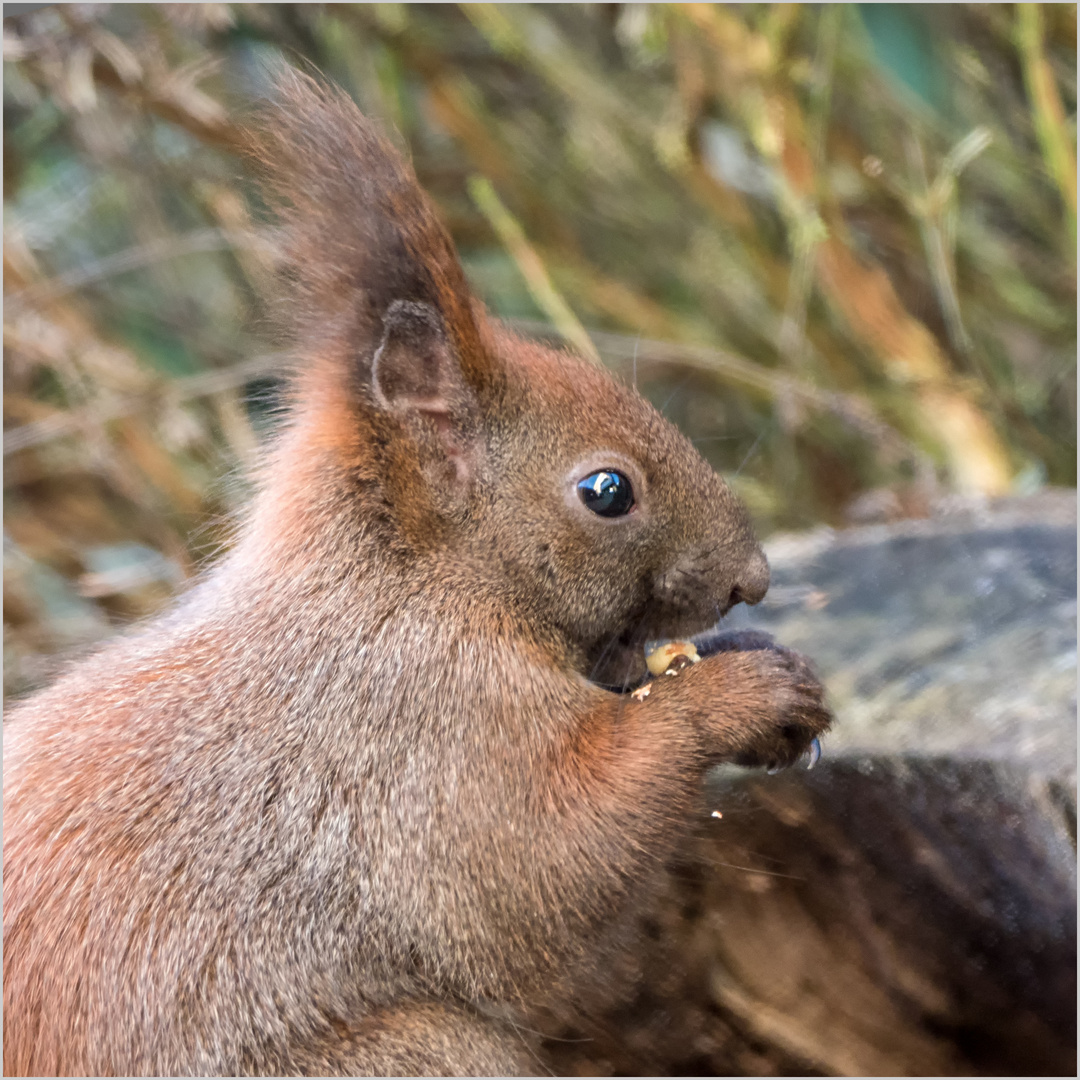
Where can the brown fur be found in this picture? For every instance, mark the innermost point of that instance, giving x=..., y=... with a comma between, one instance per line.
x=354, y=804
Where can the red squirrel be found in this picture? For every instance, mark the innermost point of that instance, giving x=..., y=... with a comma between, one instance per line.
x=365, y=796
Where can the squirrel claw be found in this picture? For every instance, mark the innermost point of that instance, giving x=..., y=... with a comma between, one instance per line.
x=812, y=755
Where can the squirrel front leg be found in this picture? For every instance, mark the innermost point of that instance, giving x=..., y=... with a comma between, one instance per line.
x=755, y=705
x=773, y=706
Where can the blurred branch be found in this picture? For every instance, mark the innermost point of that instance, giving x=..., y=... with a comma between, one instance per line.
x=616, y=350
x=134, y=258
x=206, y=384
x=805, y=226
x=908, y=352
x=1057, y=148
x=934, y=208
x=531, y=266
x=621, y=351
x=729, y=183
x=173, y=96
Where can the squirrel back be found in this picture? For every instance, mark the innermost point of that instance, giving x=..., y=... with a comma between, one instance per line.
x=367, y=784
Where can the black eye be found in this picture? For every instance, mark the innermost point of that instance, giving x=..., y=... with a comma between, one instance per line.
x=606, y=493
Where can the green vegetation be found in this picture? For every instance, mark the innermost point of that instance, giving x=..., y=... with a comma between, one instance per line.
x=836, y=244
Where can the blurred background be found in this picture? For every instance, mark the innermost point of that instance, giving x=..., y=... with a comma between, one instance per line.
x=835, y=244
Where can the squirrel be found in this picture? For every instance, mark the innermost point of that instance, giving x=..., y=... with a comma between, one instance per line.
x=366, y=794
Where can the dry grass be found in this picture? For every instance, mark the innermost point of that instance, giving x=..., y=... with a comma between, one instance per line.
x=837, y=247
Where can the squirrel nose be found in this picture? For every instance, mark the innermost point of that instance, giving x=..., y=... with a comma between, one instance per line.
x=753, y=582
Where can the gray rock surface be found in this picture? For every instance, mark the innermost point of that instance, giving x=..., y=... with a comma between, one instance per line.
x=908, y=908
x=949, y=636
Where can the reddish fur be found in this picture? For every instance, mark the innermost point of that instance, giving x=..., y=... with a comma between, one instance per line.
x=353, y=805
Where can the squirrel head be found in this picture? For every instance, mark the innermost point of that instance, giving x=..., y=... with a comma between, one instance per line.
x=527, y=467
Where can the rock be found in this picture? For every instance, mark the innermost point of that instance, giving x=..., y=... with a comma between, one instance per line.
x=909, y=907
x=954, y=635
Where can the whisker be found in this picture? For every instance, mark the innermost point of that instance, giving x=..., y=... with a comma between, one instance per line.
x=714, y=438
x=636, y=344
x=545, y=1070
x=671, y=396
x=752, y=870
x=626, y=677
x=750, y=853
x=603, y=656
x=630, y=656
x=750, y=452
x=554, y=1038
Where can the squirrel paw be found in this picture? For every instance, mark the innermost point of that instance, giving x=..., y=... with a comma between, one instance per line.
x=782, y=680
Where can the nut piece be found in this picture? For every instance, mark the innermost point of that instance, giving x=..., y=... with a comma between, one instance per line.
x=671, y=658
x=642, y=692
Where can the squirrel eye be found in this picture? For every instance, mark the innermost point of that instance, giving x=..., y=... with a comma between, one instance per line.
x=607, y=493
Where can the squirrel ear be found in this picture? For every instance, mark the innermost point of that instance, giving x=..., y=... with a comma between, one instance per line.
x=414, y=367
x=416, y=375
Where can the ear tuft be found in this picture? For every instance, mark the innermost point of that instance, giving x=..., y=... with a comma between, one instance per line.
x=357, y=233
